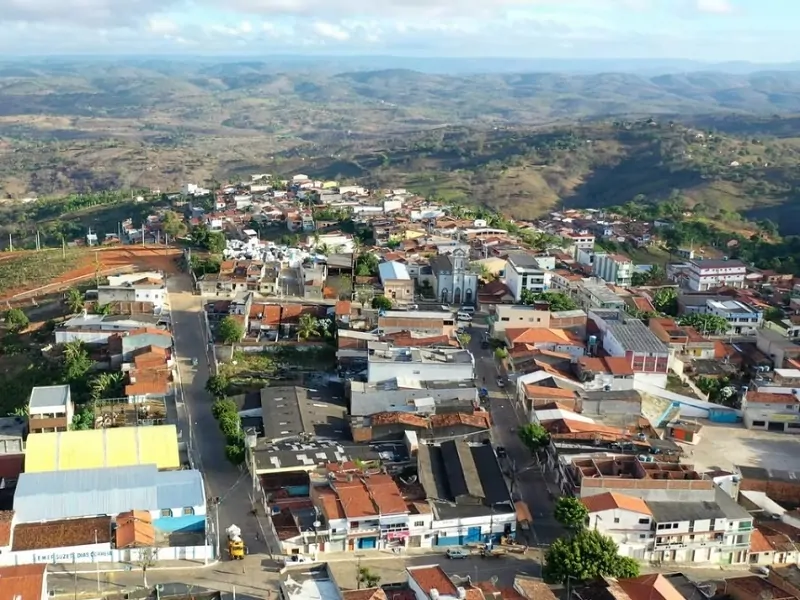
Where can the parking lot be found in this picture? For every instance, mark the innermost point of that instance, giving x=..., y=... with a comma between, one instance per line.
x=723, y=446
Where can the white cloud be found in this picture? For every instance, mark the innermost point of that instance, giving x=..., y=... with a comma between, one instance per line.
x=718, y=7
x=162, y=26
x=330, y=31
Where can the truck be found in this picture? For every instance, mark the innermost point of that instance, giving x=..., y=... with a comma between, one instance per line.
x=236, y=547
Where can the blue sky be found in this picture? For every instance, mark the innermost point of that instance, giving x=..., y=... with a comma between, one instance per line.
x=712, y=30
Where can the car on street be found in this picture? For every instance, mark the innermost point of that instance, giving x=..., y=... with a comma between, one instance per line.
x=462, y=316
x=501, y=452
x=468, y=309
x=762, y=570
x=296, y=559
x=501, y=382
x=194, y=362
x=457, y=553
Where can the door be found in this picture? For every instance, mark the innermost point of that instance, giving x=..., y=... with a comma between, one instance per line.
x=457, y=296
x=473, y=535
x=367, y=543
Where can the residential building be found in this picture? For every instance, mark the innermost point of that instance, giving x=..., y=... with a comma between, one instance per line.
x=467, y=492
x=777, y=347
x=769, y=411
x=631, y=338
x=50, y=408
x=24, y=582
x=518, y=317
x=682, y=340
x=606, y=373
x=753, y=587
x=144, y=290
x=387, y=362
x=582, y=240
x=493, y=294
x=425, y=322
x=97, y=329
x=787, y=578
x=591, y=295
x=742, y=318
x=397, y=283
x=524, y=273
x=625, y=519
x=235, y=277
x=411, y=395
x=613, y=268
x=396, y=426
x=454, y=282
x=706, y=275
x=554, y=340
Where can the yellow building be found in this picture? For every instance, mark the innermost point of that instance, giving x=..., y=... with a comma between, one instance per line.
x=97, y=448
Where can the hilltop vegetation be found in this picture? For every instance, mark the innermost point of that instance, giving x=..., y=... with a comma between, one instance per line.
x=523, y=142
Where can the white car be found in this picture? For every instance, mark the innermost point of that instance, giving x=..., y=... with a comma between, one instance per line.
x=296, y=559
x=465, y=317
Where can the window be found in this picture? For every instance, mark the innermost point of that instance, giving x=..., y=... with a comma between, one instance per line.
x=642, y=536
x=504, y=319
x=759, y=423
x=616, y=519
x=419, y=523
x=166, y=512
x=644, y=521
x=188, y=510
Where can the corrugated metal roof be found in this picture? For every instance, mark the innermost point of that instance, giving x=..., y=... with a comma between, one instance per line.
x=82, y=492
x=96, y=448
x=393, y=270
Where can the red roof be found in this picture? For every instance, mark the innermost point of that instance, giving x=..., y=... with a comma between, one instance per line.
x=343, y=308
x=432, y=578
x=22, y=582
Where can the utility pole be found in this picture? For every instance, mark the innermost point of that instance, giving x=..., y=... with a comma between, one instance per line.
x=10, y=243
x=63, y=248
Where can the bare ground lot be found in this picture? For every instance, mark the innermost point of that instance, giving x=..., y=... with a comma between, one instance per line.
x=724, y=446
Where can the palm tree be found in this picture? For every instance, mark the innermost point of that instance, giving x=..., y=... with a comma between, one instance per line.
x=104, y=383
x=307, y=327
x=73, y=350
x=74, y=300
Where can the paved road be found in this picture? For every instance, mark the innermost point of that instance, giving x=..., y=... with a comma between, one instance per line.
x=231, y=484
x=507, y=416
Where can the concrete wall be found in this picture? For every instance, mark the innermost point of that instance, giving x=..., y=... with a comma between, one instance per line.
x=102, y=553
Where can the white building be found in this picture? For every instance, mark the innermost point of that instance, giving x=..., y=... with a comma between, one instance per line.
x=387, y=362
x=772, y=411
x=50, y=408
x=143, y=290
x=454, y=281
x=191, y=189
x=704, y=275
x=625, y=519
x=524, y=273
x=742, y=318
x=613, y=268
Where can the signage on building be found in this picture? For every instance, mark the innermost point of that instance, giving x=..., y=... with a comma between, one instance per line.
x=59, y=556
x=396, y=535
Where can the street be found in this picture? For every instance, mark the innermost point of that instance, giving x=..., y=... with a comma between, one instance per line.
x=231, y=484
x=507, y=416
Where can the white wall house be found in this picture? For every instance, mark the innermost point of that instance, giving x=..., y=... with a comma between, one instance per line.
x=704, y=275
x=627, y=520
x=422, y=364
x=613, y=268
x=524, y=273
x=769, y=411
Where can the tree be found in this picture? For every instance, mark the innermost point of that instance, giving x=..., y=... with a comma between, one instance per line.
x=307, y=327
x=534, y=436
x=16, y=319
x=217, y=386
x=558, y=301
x=172, y=224
x=74, y=300
x=148, y=557
x=216, y=242
x=381, y=303
x=500, y=353
x=571, y=512
x=706, y=324
x=230, y=330
x=76, y=361
x=665, y=300
x=367, y=578
x=464, y=339
x=105, y=384
x=584, y=556
x=83, y=419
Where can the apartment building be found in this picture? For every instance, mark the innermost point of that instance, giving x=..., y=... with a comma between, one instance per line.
x=742, y=318
x=50, y=408
x=613, y=268
x=591, y=294
x=523, y=272
x=703, y=275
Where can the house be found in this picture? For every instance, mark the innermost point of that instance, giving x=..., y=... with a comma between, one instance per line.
x=425, y=364
x=777, y=347
x=753, y=586
x=706, y=275
x=299, y=413
x=24, y=582
x=774, y=543
x=454, y=282
x=518, y=317
x=607, y=373
x=524, y=273
x=142, y=290
x=175, y=500
x=492, y=294
x=623, y=336
x=50, y=408
x=466, y=491
x=554, y=340
x=682, y=340
x=626, y=519
x=742, y=318
x=591, y=295
x=393, y=426
x=397, y=283
x=430, y=582
x=613, y=268
x=97, y=329
x=422, y=322
x=770, y=411
x=412, y=396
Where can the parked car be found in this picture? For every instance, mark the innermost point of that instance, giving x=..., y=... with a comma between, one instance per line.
x=456, y=553
x=194, y=362
x=468, y=309
x=762, y=570
x=462, y=316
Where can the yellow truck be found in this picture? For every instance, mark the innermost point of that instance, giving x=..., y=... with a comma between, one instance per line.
x=236, y=547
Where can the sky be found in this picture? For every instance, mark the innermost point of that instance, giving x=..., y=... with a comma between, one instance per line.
x=706, y=30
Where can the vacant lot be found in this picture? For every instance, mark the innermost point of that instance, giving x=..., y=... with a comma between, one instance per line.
x=723, y=447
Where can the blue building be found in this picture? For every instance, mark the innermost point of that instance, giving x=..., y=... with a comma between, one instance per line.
x=175, y=499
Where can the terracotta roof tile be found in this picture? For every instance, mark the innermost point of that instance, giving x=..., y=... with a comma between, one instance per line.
x=328, y=501
x=769, y=398
x=479, y=419
x=386, y=494
x=541, y=391
x=141, y=382
x=355, y=499
x=432, y=578
x=135, y=530
x=759, y=542
x=22, y=582
x=366, y=594
x=343, y=308
x=398, y=418
x=650, y=587
x=61, y=534
x=538, y=336
x=612, y=500
x=532, y=589
x=5, y=527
